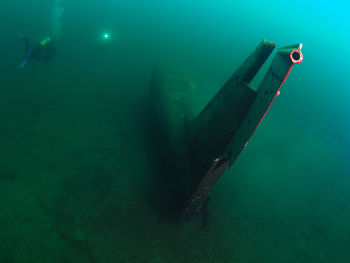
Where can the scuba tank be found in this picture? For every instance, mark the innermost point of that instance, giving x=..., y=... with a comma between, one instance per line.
x=45, y=41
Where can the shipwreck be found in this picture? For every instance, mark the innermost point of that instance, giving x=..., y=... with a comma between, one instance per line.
x=196, y=150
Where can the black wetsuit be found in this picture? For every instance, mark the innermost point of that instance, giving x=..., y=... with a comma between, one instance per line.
x=40, y=52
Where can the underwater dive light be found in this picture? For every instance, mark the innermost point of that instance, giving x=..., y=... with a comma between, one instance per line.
x=105, y=36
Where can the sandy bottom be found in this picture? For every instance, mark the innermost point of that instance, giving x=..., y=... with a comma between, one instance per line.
x=75, y=177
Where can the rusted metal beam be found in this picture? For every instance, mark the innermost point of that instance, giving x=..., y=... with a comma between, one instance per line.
x=224, y=127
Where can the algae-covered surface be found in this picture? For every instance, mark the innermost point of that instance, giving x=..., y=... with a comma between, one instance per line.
x=78, y=181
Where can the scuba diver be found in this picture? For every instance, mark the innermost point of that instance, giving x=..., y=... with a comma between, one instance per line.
x=45, y=50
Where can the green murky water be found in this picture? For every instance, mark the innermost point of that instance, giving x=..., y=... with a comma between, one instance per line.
x=75, y=172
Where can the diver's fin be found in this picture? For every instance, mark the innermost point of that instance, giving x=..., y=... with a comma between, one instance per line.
x=23, y=63
x=26, y=59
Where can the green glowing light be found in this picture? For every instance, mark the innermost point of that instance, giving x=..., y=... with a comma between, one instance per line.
x=106, y=36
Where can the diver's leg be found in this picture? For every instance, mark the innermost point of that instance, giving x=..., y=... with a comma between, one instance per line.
x=26, y=41
x=28, y=51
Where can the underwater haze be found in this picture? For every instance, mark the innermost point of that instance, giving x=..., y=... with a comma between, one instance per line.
x=75, y=170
